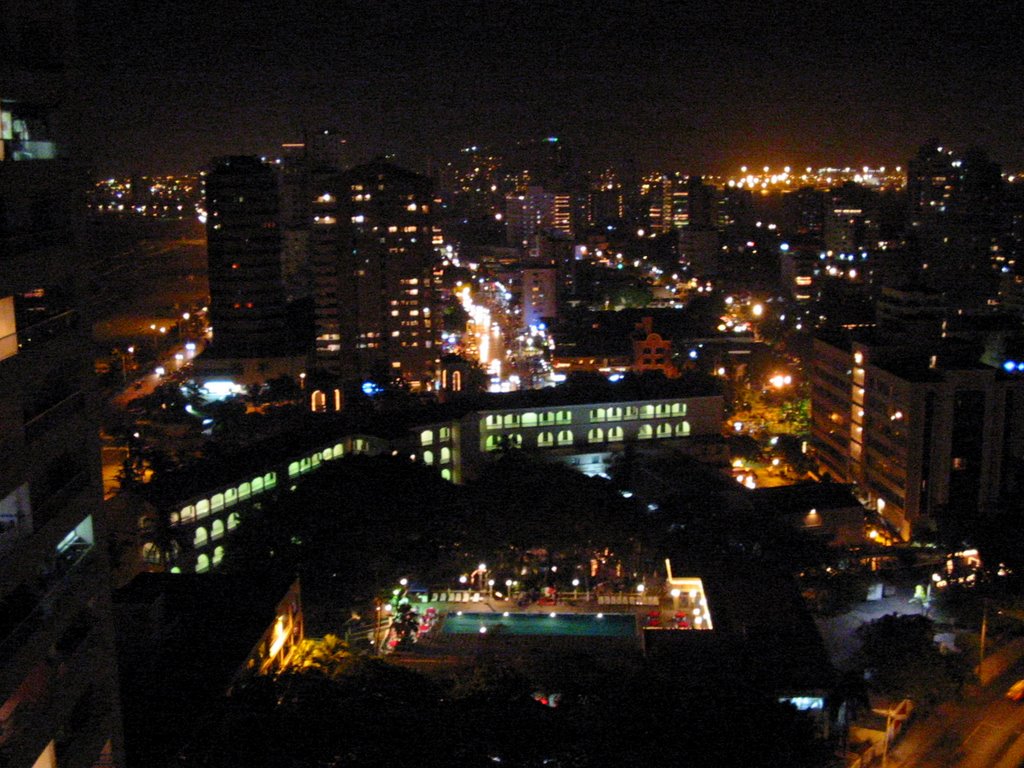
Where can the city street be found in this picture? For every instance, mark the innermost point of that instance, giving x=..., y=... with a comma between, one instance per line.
x=156, y=283
x=985, y=730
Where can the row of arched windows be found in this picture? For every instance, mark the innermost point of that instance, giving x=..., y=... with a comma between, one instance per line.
x=217, y=528
x=446, y=456
x=528, y=419
x=244, y=491
x=564, y=437
x=204, y=561
x=497, y=442
x=444, y=434
x=228, y=498
x=648, y=411
x=597, y=415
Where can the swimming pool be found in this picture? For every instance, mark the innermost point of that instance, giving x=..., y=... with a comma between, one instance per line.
x=572, y=624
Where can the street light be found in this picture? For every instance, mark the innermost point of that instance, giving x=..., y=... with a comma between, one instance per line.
x=984, y=634
x=575, y=588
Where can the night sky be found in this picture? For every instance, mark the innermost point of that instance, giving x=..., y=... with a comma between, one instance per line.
x=699, y=87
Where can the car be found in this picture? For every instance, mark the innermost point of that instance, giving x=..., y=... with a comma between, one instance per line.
x=1016, y=691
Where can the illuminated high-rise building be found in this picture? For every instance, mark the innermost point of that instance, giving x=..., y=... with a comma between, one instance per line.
x=58, y=674
x=675, y=205
x=528, y=213
x=373, y=258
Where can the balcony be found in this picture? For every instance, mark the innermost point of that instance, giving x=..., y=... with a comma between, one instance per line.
x=54, y=686
x=36, y=610
x=29, y=150
x=45, y=330
x=53, y=415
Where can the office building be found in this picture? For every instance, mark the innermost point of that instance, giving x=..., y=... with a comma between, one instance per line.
x=58, y=674
x=373, y=258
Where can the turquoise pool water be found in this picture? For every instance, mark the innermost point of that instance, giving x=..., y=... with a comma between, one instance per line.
x=572, y=624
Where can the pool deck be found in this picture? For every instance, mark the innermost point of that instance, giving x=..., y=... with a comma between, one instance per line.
x=561, y=605
x=653, y=611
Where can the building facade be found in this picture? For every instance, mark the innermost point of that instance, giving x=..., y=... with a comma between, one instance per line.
x=372, y=254
x=539, y=296
x=587, y=436
x=247, y=298
x=58, y=678
x=920, y=435
x=954, y=207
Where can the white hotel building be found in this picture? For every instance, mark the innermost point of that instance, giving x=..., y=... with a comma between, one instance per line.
x=584, y=435
x=553, y=423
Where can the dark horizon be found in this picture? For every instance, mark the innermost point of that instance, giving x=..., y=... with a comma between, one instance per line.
x=692, y=87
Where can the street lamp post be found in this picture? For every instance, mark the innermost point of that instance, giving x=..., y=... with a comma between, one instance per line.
x=888, y=730
x=376, y=625
x=984, y=635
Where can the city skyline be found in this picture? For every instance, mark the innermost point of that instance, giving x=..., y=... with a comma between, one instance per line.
x=690, y=87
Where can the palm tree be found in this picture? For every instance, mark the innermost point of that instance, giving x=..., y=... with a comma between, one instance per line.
x=328, y=656
x=163, y=542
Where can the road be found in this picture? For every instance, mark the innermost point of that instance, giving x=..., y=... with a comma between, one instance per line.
x=984, y=730
x=150, y=275
x=114, y=455
x=487, y=328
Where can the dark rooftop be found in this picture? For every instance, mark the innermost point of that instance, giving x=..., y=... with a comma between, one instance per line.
x=799, y=498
